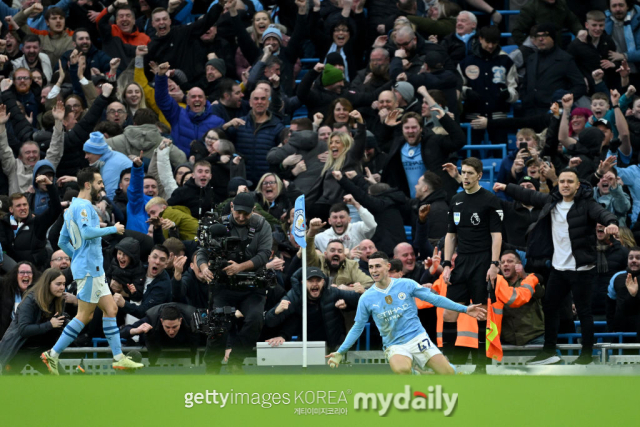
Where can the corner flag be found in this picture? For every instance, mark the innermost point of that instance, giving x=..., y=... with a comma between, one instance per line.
x=299, y=222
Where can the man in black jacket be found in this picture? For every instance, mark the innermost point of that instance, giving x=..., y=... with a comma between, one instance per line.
x=569, y=214
x=518, y=217
x=157, y=285
x=23, y=236
x=196, y=193
x=548, y=70
x=324, y=319
x=166, y=326
x=173, y=43
x=189, y=287
x=591, y=47
x=331, y=86
x=420, y=150
x=429, y=191
x=612, y=257
x=627, y=303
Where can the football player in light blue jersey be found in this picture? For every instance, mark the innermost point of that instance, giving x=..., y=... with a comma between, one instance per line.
x=392, y=305
x=80, y=238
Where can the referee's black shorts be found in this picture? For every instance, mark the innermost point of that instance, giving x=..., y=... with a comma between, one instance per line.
x=469, y=278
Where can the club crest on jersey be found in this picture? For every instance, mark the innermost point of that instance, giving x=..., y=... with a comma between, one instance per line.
x=388, y=299
x=456, y=218
x=402, y=296
x=475, y=219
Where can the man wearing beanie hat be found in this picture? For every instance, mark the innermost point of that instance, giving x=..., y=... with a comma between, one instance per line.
x=537, y=12
x=272, y=37
x=215, y=69
x=19, y=171
x=548, y=70
x=405, y=94
x=332, y=78
x=322, y=85
x=110, y=163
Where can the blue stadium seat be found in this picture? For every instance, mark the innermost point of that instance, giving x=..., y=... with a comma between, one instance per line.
x=509, y=48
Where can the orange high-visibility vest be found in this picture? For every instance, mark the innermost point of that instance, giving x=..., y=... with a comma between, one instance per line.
x=467, y=325
x=511, y=297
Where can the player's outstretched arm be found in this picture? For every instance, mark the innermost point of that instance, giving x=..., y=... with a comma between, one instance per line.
x=425, y=294
x=89, y=233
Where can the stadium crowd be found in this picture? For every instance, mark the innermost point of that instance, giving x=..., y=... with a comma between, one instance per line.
x=183, y=105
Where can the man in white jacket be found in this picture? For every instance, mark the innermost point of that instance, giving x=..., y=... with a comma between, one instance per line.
x=342, y=229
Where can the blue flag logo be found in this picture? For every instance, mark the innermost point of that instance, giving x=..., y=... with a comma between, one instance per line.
x=299, y=222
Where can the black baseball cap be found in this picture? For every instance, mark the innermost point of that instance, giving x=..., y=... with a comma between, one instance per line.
x=244, y=202
x=531, y=180
x=314, y=272
x=603, y=122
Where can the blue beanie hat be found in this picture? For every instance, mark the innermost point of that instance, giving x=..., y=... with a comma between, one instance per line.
x=96, y=144
x=272, y=31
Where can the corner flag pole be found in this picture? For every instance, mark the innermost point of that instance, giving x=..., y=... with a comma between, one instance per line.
x=299, y=234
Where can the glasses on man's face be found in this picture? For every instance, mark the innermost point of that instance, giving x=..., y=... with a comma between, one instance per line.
x=266, y=183
x=25, y=273
x=112, y=111
x=341, y=30
x=22, y=78
x=60, y=258
x=405, y=44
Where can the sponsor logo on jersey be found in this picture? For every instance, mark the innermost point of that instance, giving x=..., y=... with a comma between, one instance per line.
x=388, y=299
x=475, y=219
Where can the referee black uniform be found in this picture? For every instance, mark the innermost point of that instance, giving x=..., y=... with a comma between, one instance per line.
x=473, y=217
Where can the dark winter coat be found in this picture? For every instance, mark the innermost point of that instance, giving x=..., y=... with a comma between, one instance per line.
x=387, y=208
x=73, y=157
x=290, y=320
x=435, y=149
x=582, y=218
x=30, y=326
x=306, y=144
x=29, y=244
x=253, y=142
x=198, y=199
x=438, y=214
x=548, y=72
x=134, y=273
x=158, y=292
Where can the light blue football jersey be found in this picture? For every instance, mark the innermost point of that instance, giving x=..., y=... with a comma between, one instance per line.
x=80, y=238
x=395, y=312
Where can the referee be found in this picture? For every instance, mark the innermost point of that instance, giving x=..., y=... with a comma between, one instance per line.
x=475, y=225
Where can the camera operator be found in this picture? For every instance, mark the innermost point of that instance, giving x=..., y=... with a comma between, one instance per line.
x=166, y=326
x=255, y=235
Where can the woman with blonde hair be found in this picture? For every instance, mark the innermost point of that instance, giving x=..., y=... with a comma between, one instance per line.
x=132, y=96
x=345, y=154
x=37, y=324
x=275, y=196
